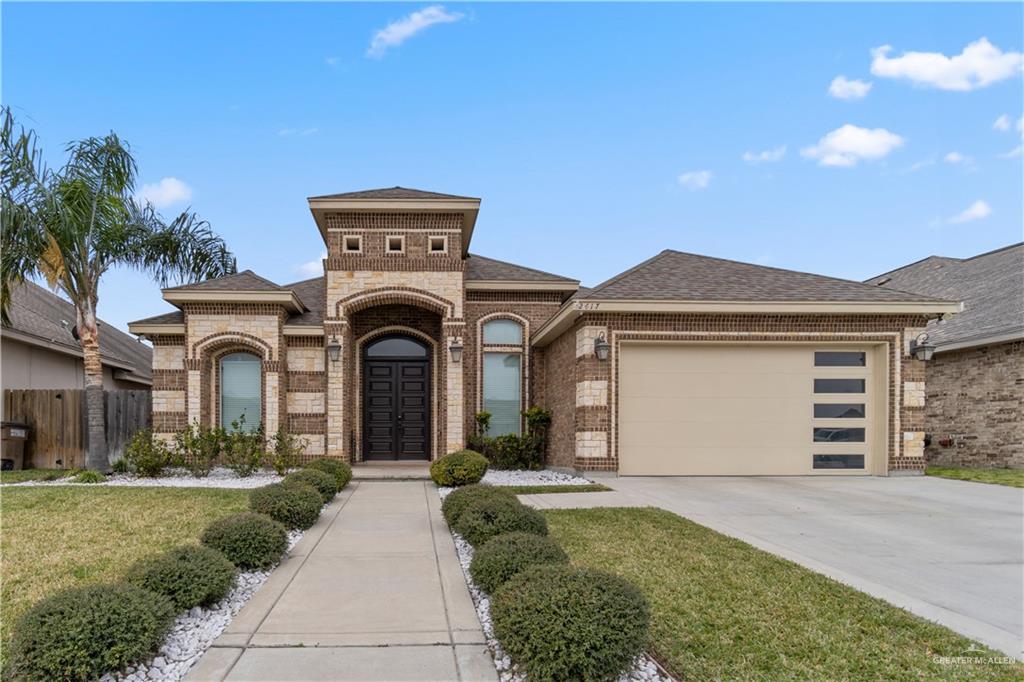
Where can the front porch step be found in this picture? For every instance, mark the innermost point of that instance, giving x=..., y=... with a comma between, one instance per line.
x=399, y=471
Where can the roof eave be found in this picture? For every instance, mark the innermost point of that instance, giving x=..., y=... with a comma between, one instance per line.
x=469, y=208
x=987, y=340
x=156, y=329
x=285, y=298
x=574, y=308
x=520, y=285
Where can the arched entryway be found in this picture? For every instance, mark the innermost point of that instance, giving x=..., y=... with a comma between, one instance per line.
x=396, y=394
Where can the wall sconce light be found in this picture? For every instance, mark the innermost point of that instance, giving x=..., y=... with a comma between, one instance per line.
x=456, y=350
x=601, y=347
x=334, y=349
x=921, y=349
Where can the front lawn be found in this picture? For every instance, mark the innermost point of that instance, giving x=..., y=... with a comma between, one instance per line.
x=1011, y=477
x=23, y=475
x=61, y=536
x=541, y=489
x=723, y=610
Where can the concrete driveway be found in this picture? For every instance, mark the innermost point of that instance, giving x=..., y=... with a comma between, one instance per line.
x=950, y=551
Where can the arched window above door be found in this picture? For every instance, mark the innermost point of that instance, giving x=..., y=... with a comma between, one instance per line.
x=241, y=376
x=396, y=347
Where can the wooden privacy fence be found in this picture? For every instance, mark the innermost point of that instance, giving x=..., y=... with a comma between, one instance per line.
x=58, y=437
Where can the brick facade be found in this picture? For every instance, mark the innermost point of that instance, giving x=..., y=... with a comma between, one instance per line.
x=974, y=406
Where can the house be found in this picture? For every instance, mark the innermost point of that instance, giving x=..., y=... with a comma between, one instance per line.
x=974, y=399
x=38, y=349
x=682, y=364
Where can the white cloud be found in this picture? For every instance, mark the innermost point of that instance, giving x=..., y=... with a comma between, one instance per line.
x=332, y=61
x=300, y=132
x=976, y=211
x=397, y=32
x=767, y=156
x=849, y=144
x=979, y=65
x=843, y=88
x=1002, y=123
x=1013, y=153
x=313, y=268
x=956, y=158
x=165, y=193
x=694, y=180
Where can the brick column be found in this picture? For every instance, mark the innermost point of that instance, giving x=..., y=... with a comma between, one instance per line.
x=593, y=415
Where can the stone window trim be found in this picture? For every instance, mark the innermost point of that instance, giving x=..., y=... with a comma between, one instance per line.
x=522, y=349
x=892, y=340
x=352, y=243
x=420, y=298
x=437, y=239
x=214, y=341
x=436, y=446
x=392, y=239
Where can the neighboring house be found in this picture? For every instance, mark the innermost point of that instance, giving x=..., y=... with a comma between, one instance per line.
x=39, y=350
x=681, y=365
x=974, y=409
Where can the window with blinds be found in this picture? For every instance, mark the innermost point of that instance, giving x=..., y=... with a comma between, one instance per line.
x=505, y=332
x=502, y=392
x=240, y=391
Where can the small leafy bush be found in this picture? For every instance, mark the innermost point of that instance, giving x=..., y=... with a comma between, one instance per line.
x=482, y=520
x=147, y=455
x=459, y=468
x=199, y=448
x=564, y=623
x=457, y=500
x=296, y=506
x=504, y=556
x=341, y=471
x=83, y=632
x=483, y=422
x=286, y=452
x=511, y=451
x=191, y=575
x=120, y=466
x=322, y=481
x=248, y=540
x=89, y=477
x=243, y=451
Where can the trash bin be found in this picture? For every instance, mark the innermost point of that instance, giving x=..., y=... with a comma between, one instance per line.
x=12, y=447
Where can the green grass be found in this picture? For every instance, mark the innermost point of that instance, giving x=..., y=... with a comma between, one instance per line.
x=540, y=489
x=23, y=475
x=723, y=610
x=1011, y=477
x=62, y=536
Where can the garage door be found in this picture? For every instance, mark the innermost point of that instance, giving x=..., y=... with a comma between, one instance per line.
x=746, y=410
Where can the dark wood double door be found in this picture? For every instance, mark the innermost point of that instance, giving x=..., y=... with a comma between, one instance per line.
x=396, y=400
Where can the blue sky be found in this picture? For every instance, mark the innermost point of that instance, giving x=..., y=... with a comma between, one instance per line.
x=595, y=134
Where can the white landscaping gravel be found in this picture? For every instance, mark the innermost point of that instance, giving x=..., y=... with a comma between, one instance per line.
x=194, y=631
x=542, y=477
x=644, y=669
x=177, y=478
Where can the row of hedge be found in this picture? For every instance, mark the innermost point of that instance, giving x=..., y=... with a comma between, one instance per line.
x=200, y=448
x=84, y=632
x=558, y=622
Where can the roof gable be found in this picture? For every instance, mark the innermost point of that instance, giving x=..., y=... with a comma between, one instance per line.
x=395, y=192
x=246, y=280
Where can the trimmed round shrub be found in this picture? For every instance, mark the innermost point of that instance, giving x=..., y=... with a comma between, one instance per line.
x=321, y=480
x=504, y=556
x=248, y=540
x=459, y=468
x=341, y=471
x=457, y=500
x=83, y=632
x=564, y=623
x=191, y=575
x=485, y=519
x=296, y=505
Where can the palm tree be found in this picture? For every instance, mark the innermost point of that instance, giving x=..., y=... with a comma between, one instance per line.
x=71, y=225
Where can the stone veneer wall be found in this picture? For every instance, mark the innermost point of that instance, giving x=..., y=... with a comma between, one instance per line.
x=306, y=398
x=975, y=399
x=575, y=376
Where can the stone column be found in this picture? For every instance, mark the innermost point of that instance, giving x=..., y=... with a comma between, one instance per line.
x=593, y=415
x=455, y=391
x=194, y=390
x=335, y=393
x=272, y=396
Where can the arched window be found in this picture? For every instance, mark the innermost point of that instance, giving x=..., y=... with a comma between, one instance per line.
x=240, y=379
x=503, y=376
x=396, y=347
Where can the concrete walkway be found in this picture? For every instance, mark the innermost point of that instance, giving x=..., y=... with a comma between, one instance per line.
x=374, y=591
x=949, y=551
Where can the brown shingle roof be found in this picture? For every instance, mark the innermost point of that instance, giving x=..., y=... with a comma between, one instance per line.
x=247, y=280
x=311, y=293
x=395, y=192
x=39, y=313
x=481, y=268
x=991, y=285
x=175, y=317
x=677, y=276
